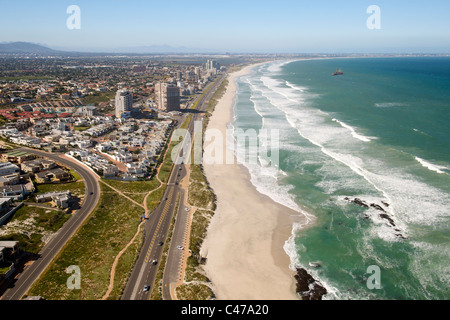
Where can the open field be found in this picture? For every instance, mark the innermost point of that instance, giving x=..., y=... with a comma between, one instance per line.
x=93, y=248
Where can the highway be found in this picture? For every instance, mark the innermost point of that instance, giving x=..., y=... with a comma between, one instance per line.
x=31, y=273
x=158, y=224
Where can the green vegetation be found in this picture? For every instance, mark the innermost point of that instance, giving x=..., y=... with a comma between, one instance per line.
x=76, y=188
x=93, y=248
x=200, y=194
x=194, y=291
x=81, y=128
x=75, y=175
x=167, y=165
x=197, y=285
x=99, y=97
x=156, y=293
x=25, y=78
x=136, y=190
x=29, y=225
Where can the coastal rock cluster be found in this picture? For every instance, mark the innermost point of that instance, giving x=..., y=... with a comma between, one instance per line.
x=382, y=215
x=307, y=287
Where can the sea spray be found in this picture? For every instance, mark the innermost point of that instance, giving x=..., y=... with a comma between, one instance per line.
x=324, y=161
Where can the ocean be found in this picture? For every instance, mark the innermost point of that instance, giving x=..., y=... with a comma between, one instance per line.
x=365, y=157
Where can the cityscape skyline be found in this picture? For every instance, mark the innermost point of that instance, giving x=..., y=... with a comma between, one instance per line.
x=249, y=27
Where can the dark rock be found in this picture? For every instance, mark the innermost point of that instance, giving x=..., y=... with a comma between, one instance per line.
x=359, y=202
x=401, y=236
x=386, y=204
x=385, y=216
x=307, y=286
x=374, y=205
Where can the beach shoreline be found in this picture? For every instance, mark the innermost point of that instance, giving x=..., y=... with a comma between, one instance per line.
x=244, y=245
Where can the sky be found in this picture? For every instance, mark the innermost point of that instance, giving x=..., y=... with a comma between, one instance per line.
x=237, y=26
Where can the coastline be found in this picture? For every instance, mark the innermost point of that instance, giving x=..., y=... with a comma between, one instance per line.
x=245, y=239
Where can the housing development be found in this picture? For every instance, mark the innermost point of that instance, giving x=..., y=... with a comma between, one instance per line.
x=114, y=117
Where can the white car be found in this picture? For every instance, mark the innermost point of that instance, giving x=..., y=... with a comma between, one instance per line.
x=180, y=247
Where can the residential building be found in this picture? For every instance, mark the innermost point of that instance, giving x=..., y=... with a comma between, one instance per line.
x=8, y=168
x=167, y=97
x=124, y=103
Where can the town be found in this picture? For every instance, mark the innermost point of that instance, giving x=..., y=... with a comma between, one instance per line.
x=114, y=115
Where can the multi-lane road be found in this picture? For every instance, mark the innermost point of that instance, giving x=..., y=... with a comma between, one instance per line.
x=31, y=273
x=141, y=281
x=156, y=228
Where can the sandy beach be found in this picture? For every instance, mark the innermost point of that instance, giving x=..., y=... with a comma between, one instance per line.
x=244, y=244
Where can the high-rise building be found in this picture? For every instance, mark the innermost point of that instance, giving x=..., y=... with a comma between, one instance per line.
x=167, y=97
x=212, y=64
x=124, y=103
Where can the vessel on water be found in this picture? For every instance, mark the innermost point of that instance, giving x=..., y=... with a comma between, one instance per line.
x=337, y=73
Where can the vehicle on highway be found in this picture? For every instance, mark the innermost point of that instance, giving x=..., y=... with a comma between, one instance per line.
x=146, y=288
x=91, y=193
x=154, y=262
x=160, y=243
x=180, y=247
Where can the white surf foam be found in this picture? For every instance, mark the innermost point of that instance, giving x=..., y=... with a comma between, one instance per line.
x=432, y=167
x=390, y=104
x=353, y=132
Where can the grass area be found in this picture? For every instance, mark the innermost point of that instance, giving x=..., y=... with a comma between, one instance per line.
x=199, y=227
x=76, y=188
x=200, y=194
x=167, y=164
x=93, y=249
x=196, y=283
x=75, y=175
x=25, y=78
x=154, y=199
x=196, y=286
x=136, y=190
x=194, y=291
x=30, y=224
x=98, y=97
x=81, y=128
x=186, y=122
x=4, y=267
x=125, y=265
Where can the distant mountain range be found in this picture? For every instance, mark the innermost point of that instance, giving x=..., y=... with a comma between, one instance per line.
x=33, y=48
x=25, y=47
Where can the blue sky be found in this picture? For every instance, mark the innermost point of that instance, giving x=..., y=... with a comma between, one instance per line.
x=233, y=26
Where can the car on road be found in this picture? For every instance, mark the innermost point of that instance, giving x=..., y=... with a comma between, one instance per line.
x=160, y=243
x=186, y=209
x=180, y=247
x=154, y=262
x=146, y=288
x=91, y=193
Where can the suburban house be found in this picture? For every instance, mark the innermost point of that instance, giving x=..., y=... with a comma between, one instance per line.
x=15, y=192
x=54, y=175
x=59, y=199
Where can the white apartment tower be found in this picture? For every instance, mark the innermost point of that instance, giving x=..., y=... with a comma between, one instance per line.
x=124, y=103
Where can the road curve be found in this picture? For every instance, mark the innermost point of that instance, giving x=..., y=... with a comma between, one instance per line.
x=31, y=273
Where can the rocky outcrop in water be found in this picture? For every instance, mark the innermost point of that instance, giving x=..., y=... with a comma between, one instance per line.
x=357, y=201
x=307, y=287
x=383, y=215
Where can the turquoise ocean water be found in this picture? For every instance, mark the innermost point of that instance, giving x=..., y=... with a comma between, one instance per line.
x=379, y=133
